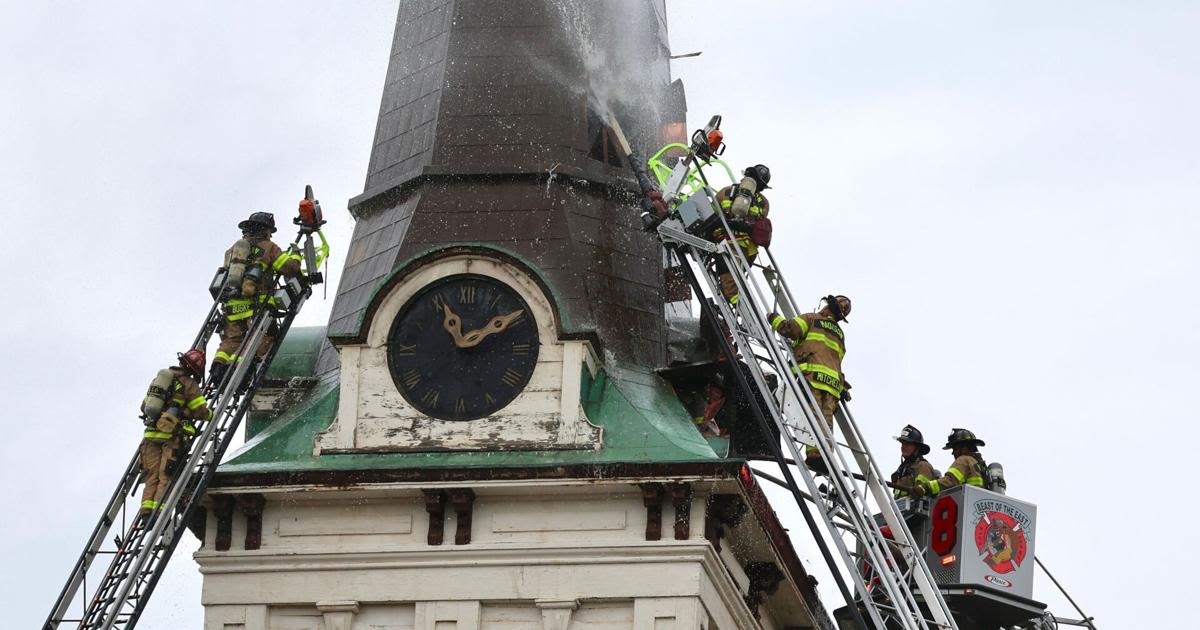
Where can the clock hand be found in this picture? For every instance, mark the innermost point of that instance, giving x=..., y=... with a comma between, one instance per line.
x=498, y=323
x=453, y=325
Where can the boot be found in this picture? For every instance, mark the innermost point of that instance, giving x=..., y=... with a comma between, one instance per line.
x=729, y=288
x=249, y=377
x=812, y=459
x=217, y=373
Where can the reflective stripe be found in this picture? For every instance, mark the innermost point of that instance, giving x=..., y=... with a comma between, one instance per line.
x=935, y=487
x=225, y=356
x=239, y=308
x=149, y=504
x=831, y=343
x=920, y=480
x=283, y=259
x=189, y=429
x=975, y=481
x=733, y=300
x=819, y=369
x=803, y=326
x=726, y=203
x=954, y=472
x=825, y=388
x=777, y=321
x=196, y=402
x=156, y=435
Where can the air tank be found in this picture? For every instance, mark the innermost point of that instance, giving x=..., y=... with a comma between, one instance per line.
x=239, y=255
x=995, y=478
x=743, y=198
x=157, y=394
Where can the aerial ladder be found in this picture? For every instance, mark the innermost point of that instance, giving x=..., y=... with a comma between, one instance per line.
x=140, y=548
x=851, y=498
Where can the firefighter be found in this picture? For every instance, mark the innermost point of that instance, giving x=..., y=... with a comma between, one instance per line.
x=968, y=467
x=819, y=345
x=746, y=211
x=257, y=259
x=913, y=467
x=713, y=398
x=173, y=401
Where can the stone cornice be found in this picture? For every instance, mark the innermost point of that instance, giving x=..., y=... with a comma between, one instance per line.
x=488, y=556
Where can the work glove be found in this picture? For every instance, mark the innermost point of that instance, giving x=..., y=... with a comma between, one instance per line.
x=658, y=203
x=149, y=422
x=921, y=489
x=845, y=389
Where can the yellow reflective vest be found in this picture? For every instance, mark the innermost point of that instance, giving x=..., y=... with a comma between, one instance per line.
x=819, y=345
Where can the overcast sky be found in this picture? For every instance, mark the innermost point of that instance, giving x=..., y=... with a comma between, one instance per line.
x=1006, y=190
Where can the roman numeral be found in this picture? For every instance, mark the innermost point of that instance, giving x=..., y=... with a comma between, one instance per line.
x=521, y=349
x=438, y=303
x=460, y=407
x=511, y=377
x=466, y=294
x=431, y=397
x=406, y=351
x=488, y=399
x=411, y=378
x=495, y=301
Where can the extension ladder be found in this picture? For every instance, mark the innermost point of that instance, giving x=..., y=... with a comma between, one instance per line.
x=853, y=492
x=142, y=547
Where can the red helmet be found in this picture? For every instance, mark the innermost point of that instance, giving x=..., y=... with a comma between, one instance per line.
x=193, y=360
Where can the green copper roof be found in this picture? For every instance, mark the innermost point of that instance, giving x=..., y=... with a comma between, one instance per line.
x=298, y=354
x=643, y=422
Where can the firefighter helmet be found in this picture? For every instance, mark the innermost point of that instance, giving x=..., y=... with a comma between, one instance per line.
x=961, y=437
x=912, y=435
x=193, y=361
x=838, y=305
x=760, y=174
x=261, y=220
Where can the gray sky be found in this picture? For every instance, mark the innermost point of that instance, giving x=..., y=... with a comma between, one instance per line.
x=1005, y=189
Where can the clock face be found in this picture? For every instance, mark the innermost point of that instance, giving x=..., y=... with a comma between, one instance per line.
x=463, y=347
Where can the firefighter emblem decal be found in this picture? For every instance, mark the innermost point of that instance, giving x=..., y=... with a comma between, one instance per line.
x=1000, y=535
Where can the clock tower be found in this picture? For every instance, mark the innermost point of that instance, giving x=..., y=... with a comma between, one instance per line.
x=480, y=437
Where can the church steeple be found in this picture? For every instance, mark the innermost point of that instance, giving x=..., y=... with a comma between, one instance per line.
x=491, y=134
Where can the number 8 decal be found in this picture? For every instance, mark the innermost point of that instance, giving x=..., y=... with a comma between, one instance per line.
x=945, y=526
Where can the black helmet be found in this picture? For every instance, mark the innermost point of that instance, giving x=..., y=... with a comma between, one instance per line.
x=912, y=435
x=961, y=437
x=838, y=305
x=760, y=174
x=258, y=219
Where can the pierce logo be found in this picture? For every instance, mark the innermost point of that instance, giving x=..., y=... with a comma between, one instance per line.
x=1000, y=540
x=998, y=581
